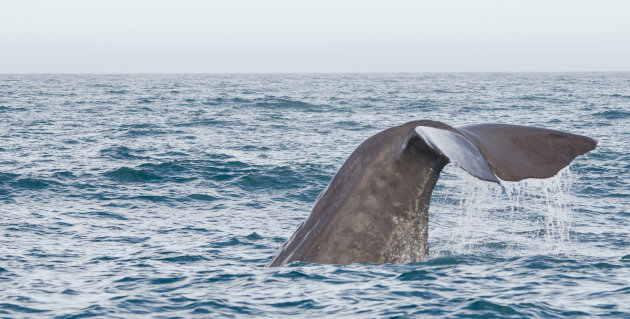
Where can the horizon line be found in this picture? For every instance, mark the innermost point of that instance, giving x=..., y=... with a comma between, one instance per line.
x=295, y=73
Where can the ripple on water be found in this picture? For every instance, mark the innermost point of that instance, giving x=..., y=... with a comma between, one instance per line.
x=419, y=275
x=33, y=183
x=485, y=309
x=184, y=259
x=122, y=152
x=5, y=177
x=63, y=175
x=294, y=274
x=126, y=174
x=288, y=104
x=9, y=308
x=121, y=239
x=299, y=303
x=613, y=114
x=165, y=280
x=274, y=178
x=203, y=197
x=98, y=215
x=229, y=277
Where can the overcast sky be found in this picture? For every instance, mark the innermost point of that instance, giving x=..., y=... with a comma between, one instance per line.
x=225, y=36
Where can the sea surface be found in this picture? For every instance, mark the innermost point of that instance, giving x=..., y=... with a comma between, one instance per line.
x=135, y=196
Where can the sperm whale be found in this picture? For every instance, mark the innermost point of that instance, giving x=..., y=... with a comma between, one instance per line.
x=376, y=207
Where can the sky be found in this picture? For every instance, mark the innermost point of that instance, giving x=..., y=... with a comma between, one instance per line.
x=303, y=36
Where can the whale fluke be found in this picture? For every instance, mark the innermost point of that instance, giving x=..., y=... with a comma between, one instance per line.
x=517, y=152
x=375, y=209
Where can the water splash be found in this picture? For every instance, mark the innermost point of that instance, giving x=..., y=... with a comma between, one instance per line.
x=548, y=202
x=469, y=216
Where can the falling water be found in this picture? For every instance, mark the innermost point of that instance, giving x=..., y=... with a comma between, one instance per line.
x=532, y=216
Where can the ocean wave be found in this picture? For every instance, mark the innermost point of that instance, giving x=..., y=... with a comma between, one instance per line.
x=186, y=171
x=33, y=183
x=253, y=237
x=165, y=280
x=122, y=152
x=203, y=197
x=350, y=125
x=298, y=274
x=121, y=239
x=275, y=178
x=117, y=92
x=150, y=132
x=484, y=308
x=146, y=100
x=10, y=308
x=11, y=109
x=226, y=277
x=64, y=175
x=184, y=259
x=285, y=103
x=151, y=198
x=416, y=275
x=225, y=101
x=613, y=114
x=169, y=167
x=126, y=174
x=205, y=122
x=98, y=215
x=5, y=177
x=301, y=304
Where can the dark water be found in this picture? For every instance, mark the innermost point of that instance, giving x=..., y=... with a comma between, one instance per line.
x=165, y=195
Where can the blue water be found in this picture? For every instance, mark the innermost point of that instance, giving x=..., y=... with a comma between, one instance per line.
x=165, y=195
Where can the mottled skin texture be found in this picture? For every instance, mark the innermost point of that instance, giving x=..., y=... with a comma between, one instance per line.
x=376, y=208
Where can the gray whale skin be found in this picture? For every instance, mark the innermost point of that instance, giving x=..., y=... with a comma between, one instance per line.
x=376, y=208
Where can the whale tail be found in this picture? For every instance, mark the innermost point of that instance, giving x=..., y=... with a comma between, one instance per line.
x=508, y=152
x=376, y=208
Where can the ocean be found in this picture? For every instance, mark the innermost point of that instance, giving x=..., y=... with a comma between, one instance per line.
x=164, y=196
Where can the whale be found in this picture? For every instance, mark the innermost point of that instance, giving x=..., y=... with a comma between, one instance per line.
x=376, y=207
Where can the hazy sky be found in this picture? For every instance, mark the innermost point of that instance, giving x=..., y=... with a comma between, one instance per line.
x=313, y=36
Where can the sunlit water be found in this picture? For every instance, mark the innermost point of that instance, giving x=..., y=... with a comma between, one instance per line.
x=165, y=195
